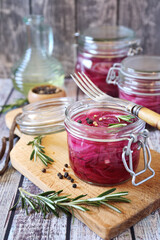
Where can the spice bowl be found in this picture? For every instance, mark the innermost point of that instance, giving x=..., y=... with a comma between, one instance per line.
x=100, y=152
x=42, y=92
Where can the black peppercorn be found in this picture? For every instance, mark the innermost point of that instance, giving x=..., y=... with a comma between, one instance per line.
x=74, y=185
x=66, y=174
x=89, y=121
x=79, y=121
x=72, y=180
x=61, y=176
x=58, y=174
x=69, y=178
x=66, y=165
x=44, y=170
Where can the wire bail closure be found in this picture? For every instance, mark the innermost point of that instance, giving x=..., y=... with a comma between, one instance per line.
x=146, y=155
x=112, y=77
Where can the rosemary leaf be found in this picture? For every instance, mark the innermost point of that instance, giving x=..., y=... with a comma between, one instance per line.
x=51, y=202
x=38, y=151
x=111, y=206
x=126, y=118
x=116, y=125
x=18, y=103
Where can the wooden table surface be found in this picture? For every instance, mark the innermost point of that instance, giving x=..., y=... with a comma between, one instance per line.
x=17, y=226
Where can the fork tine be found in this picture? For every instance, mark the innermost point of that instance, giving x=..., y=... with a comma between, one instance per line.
x=78, y=81
x=86, y=85
x=90, y=83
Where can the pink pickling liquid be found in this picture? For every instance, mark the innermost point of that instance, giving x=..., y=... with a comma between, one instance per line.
x=151, y=102
x=97, y=69
x=100, y=162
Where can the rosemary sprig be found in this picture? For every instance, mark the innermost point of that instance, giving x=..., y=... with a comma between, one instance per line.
x=115, y=125
x=38, y=151
x=18, y=103
x=126, y=118
x=51, y=202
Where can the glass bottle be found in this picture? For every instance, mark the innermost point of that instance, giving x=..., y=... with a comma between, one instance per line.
x=99, y=48
x=37, y=66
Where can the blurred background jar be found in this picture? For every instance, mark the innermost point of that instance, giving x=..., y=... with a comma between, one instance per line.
x=99, y=48
x=138, y=80
x=37, y=66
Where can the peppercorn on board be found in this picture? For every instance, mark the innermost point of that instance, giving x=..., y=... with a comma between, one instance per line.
x=105, y=222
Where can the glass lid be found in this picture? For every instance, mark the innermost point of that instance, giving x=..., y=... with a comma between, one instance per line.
x=44, y=117
x=108, y=34
x=147, y=67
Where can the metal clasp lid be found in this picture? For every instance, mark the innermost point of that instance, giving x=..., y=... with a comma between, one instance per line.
x=135, y=47
x=146, y=155
x=112, y=76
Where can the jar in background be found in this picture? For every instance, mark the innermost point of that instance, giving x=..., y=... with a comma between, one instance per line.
x=138, y=80
x=99, y=48
x=101, y=155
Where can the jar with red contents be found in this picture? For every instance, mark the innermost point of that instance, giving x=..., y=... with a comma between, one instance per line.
x=138, y=80
x=104, y=147
x=99, y=48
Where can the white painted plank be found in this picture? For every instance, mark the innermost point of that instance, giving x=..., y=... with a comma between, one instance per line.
x=34, y=226
x=49, y=228
x=10, y=180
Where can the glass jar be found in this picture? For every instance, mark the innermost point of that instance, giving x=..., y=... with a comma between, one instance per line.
x=101, y=155
x=37, y=66
x=99, y=48
x=138, y=80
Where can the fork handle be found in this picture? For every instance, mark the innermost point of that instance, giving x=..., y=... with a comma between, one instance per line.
x=150, y=117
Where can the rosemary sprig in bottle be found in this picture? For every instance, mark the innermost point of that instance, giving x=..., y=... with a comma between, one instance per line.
x=18, y=103
x=51, y=202
x=38, y=151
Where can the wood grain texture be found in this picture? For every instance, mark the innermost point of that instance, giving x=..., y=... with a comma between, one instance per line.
x=10, y=180
x=79, y=230
x=149, y=227
x=35, y=226
x=143, y=17
x=94, y=13
x=143, y=229
x=112, y=224
x=61, y=16
x=12, y=37
x=50, y=228
x=150, y=117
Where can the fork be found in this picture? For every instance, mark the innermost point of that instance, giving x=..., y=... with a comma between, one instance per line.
x=92, y=91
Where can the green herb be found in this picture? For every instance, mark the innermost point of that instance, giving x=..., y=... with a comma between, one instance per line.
x=126, y=118
x=18, y=103
x=116, y=125
x=50, y=201
x=38, y=151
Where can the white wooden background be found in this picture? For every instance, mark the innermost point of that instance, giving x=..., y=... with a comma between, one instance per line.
x=17, y=226
x=69, y=16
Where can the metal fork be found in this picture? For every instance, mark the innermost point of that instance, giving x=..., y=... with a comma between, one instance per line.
x=92, y=91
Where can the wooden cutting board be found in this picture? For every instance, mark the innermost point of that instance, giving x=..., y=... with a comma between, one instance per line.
x=103, y=221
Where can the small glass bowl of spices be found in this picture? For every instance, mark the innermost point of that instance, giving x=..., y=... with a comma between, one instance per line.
x=104, y=142
x=138, y=80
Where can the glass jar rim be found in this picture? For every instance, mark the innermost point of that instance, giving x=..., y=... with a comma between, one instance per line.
x=141, y=67
x=108, y=36
x=99, y=134
x=44, y=117
x=33, y=19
